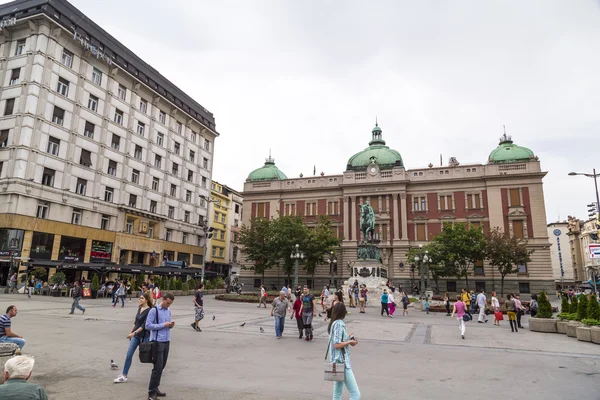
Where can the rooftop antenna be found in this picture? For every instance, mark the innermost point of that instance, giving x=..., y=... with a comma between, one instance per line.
x=376, y=124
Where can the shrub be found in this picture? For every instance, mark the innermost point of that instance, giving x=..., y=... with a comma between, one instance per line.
x=582, y=307
x=58, y=278
x=95, y=286
x=139, y=281
x=40, y=273
x=573, y=308
x=544, y=307
x=593, y=311
x=564, y=305
x=591, y=322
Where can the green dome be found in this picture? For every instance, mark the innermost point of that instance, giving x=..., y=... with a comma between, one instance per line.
x=377, y=152
x=508, y=152
x=268, y=172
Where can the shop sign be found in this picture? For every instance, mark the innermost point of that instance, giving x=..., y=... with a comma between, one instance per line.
x=101, y=251
x=96, y=52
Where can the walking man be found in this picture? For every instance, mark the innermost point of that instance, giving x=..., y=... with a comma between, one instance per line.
x=279, y=308
x=6, y=333
x=481, y=303
x=466, y=298
x=308, y=311
x=77, y=295
x=198, y=307
x=159, y=324
x=13, y=282
x=263, y=297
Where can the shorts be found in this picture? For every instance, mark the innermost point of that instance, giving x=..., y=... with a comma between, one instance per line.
x=512, y=316
x=361, y=299
x=199, y=313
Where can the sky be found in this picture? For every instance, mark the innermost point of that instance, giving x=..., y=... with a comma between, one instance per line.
x=307, y=79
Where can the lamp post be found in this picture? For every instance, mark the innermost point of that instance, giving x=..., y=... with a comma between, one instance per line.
x=296, y=255
x=420, y=259
x=207, y=229
x=332, y=266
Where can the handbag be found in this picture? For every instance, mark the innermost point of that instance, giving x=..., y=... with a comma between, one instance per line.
x=498, y=315
x=335, y=372
x=148, y=349
x=466, y=317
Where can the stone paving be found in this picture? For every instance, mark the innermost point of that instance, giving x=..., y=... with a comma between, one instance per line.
x=419, y=355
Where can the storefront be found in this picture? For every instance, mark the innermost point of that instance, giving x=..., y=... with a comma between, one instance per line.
x=101, y=251
x=41, y=246
x=72, y=249
x=11, y=243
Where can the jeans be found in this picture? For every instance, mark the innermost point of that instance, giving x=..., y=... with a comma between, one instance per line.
x=351, y=385
x=116, y=300
x=279, y=324
x=18, y=341
x=384, y=307
x=29, y=291
x=133, y=345
x=307, y=318
x=76, y=305
x=162, y=354
x=300, y=326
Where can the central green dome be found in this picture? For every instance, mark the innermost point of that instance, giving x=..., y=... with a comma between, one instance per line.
x=268, y=172
x=377, y=152
x=508, y=152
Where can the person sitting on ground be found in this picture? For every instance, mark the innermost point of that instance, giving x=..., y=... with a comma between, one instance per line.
x=17, y=372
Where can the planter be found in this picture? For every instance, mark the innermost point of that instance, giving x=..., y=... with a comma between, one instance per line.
x=572, y=328
x=595, y=334
x=547, y=325
x=583, y=333
x=561, y=326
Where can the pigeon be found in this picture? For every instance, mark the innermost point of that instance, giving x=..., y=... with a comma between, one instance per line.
x=320, y=315
x=113, y=365
x=262, y=330
x=214, y=317
x=243, y=324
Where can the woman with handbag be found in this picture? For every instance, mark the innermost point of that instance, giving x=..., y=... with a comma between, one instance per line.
x=496, y=308
x=339, y=355
x=460, y=310
x=138, y=334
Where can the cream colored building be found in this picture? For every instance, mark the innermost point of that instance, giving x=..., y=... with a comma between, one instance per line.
x=581, y=235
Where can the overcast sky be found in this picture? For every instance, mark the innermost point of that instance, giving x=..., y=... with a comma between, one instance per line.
x=306, y=79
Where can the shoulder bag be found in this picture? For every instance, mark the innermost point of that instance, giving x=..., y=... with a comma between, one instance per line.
x=148, y=349
x=335, y=371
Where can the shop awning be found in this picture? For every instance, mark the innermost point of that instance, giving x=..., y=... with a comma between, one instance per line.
x=111, y=267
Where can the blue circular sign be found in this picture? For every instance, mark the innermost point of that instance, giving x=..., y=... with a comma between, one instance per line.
x=557, y=232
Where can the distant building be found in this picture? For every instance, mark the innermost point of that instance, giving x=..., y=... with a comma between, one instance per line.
x=581, y=234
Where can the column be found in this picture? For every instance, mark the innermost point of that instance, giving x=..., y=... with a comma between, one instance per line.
x=396, y=215
x=346, y=218
x=353, y=218
x=403, y=216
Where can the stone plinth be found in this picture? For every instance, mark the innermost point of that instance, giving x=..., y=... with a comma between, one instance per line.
x=374, y=284
x=561, y=326
x=595, y=334
x=572, y=328
x=547, y=325
x=7, y=350
x=583, y=333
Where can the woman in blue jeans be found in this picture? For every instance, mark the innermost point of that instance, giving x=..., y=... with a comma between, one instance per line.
x=138, y=334
x=339, y=351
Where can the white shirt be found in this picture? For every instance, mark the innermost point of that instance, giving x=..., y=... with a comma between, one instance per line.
x=481, y=299
x=390, y=298
x=326, y=293
x=495, y=303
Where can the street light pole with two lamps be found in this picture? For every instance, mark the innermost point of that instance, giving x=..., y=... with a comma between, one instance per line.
x=296, y=255
x=420, y=259
x=207, y=229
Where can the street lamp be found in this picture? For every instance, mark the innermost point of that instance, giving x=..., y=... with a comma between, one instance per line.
x=207, y=229
x=421, y=258
x=296, y=255
x=332, y=266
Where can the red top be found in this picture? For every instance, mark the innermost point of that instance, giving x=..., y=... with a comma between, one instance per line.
x=297, y=306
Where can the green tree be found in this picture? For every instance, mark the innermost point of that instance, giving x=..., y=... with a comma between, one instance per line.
x=258, y=245
x=321, y=241
x=95, y=286
x=564, y=305
x=582, y=307
x=287, y=232
x=40, y=273
x=506, y=252
x=544, y=307
x=573, y=308
x=593, y=311
x=139, y=281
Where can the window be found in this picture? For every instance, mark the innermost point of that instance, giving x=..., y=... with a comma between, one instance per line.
x=141, y=128
x=207, y=145
x=204, y=182
x=257, y=282
x=178, y=127
x=20, y=47
x=4, y=137
x=205, y=163
x=9, y=107
x=14, y=76
x=121, y=92
x=88, y=131
x=169, y=235
x=162, y=117
x=53, y=146
x=186, y=217
x=193, y=136
x=97, y=76
x=202, y=203
x=518, y=229
x=237, y=208
x=515, y=197
x=86, y=158
x=105, y=223
x=155, y=183
x=160, y=138
x=135, y=176
x=93, y=103
x=129, y=226
x=108, y=194
x=222, y=233
x=132, y=200
x=76, y=216
x=171, y=213
x=62, y=87
x=478, y=268
x=192, y=155
x=48, y=177
x=184, y=238
x=153, y=206
x=173, y=190
x=421, y=232
x=522, y=269
x=81, y=186
x=112, y=168
x=151, y=230
x=311, y=208
x=216, y=217
x=115, y=142
x=190, y=176
x=446, y=202
x=66, y=58
x=260, y=210
x=479, y=286
x=451, y=286
x=42, y=209
x=222, y=218
x=176, y=147
x=333, y=208
x=524, y=287
x=137, y=153
x=419, y=203
x=58, y=115
x=214, y=251
x=175, y=169
x=157, y=161
x=143, y=106
x=118, y=117
x=473, y=201
x=221, y=252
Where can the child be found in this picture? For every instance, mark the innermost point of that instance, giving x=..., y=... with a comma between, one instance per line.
x=426, y=304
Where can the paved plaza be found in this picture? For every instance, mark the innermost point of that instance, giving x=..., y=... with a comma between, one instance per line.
x=416, y=356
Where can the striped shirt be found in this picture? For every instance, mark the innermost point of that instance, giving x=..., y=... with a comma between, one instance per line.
x=4, y=323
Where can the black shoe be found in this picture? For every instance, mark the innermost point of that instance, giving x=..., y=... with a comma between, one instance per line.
x=520, y=327
x=300, y=337
x=193, y=325
x=198, y=329
x=151, y=396
x=160, y=394
x=71, y=313
x=463, y=336
x=480, y=322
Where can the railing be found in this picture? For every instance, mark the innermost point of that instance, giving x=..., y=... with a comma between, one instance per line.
x=512, y=167
x=359, y=176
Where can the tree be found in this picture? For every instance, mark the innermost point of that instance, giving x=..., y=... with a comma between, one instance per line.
x=573, y=308
x=544, y=307
x=438, y=268
x=40, y=273
x=582, y=307
x=593, y=311
x=287, y=232
x=506, y=252
x=259, y=246
x=564, y=305
x=320, y=241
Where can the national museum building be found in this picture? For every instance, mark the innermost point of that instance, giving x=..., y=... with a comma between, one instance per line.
x=410, y=206
x=102, y=159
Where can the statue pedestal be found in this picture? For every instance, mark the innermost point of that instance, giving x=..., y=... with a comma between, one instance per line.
x=367, y=275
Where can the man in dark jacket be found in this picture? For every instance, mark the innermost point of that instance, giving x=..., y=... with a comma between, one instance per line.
x=77, y=295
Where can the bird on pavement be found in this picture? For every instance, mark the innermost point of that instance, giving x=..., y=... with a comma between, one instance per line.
x=320, y=315
x=243, y=324
x=113, y=365
x=262, y=330
x=214, y=317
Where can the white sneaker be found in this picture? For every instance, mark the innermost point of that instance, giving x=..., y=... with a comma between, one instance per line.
x=120, y=379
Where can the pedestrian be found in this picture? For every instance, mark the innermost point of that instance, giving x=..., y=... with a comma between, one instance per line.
x=279, y=309
x=338, y=297
x=322, y=298
x=128, y=290
x=459, y=309
x=350, y=297
x=297, y=307
x=473, y=303
x=384, y=303
x=150, y=285
x=6, y=333
x=77, y=296
x=17, y=372
x=481, y=303
x=138, y=333
x=511, y=312
x=391, y=304
x=120, y=294
x=533, y=305
x=114, y=292
x=355, y=293
x=426, y=305
x=30, y=286
x=496, y=308
x=338, y=350
x=520, y=309
x=159, y=324
x=466, y=299
x=362, y=297
x=308, y=311
x=13, y=282
x=405, y=303
x=198, y=307
x=447, y=303
x=263, y=297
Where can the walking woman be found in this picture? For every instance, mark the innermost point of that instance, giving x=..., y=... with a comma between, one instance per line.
x=447, y=303
x=138, y=334
x=297, y=307
x=362, y=298
x=30, y=286
x=391, y=303
x=405, y=302
x=338, y=350
x=460, y=310
x=496, y=308
x=511, y=311
x=120, y=294
x=520, y=309
x=263, y=297
x=384, y=303
x=533, y=305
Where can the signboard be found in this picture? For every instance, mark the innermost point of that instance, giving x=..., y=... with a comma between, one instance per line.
x=101, y=251
x=557, y=233
x=594, y=250
x=96, y=52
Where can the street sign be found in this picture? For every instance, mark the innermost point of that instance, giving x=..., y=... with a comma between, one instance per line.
x=594, y=249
